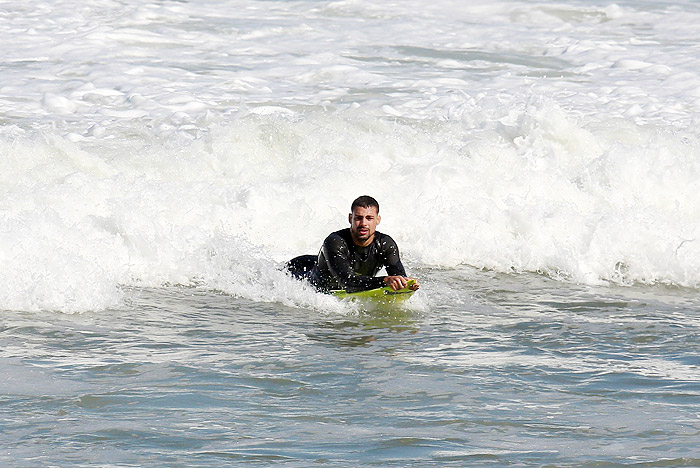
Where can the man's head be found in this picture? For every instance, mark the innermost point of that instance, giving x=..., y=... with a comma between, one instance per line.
x=364, y=218
x=365, y=201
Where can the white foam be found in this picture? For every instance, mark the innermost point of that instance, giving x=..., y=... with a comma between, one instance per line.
x=167, y=143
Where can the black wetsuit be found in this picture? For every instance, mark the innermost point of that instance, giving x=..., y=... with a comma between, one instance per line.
x=342, y=264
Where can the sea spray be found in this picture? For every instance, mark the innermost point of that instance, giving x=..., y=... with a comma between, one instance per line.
x=521, y=187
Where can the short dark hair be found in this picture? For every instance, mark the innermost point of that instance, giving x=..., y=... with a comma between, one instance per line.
x=365, y=201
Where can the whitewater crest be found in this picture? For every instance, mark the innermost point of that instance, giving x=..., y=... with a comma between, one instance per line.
x=150, y=144
x=523, y=187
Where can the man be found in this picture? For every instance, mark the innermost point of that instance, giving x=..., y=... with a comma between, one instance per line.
x=350, y=258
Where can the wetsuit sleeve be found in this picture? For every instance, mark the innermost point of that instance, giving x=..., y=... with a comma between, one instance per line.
x=337, y=255
x=390, y=251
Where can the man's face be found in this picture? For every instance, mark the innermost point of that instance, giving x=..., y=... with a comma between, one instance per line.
x=363, y=224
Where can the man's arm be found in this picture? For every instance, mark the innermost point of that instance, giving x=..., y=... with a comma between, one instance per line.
x=397, y=273
x=392, y=260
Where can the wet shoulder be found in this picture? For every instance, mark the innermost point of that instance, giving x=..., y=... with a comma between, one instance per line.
x=383, y=240
x=339, y=238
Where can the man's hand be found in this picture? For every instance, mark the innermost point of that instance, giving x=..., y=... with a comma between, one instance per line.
x=400, y=282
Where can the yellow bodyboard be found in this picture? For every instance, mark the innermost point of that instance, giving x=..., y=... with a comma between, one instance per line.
x=384, y=295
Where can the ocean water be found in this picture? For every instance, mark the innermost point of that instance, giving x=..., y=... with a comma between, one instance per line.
x=536, y=162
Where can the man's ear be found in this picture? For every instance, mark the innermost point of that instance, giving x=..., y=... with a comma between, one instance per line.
x=350, y=218
x=379, y=219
